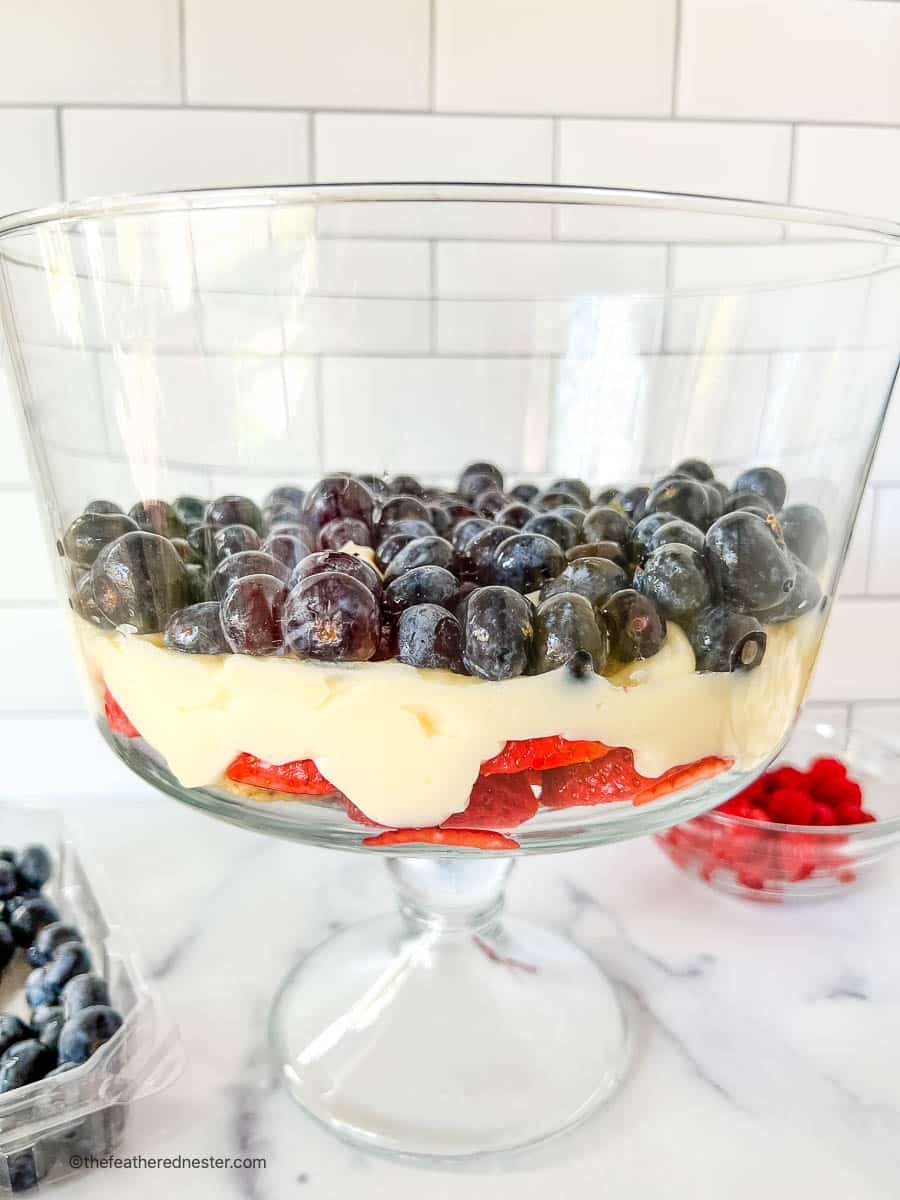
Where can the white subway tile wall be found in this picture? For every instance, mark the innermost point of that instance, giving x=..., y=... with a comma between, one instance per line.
x=799, y=102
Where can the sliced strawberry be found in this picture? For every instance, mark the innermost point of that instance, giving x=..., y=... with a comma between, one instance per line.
x=302, y=777
x=541, y=754
x=613, y=778
x=496, y=802
x=116, y=717
x=354, y=813
x=473, y=839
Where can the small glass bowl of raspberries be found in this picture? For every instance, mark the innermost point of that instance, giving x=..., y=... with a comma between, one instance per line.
x=816, y=822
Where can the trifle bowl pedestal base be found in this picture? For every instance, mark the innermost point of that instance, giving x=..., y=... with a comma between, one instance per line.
x=444, y=1030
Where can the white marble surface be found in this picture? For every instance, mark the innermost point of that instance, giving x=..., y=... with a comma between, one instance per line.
x=767, y=1061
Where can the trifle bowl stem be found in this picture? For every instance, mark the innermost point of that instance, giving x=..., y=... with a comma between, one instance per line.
x=446, y=1029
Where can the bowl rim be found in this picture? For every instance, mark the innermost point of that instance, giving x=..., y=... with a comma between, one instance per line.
x=349, y=192
x=868, y=829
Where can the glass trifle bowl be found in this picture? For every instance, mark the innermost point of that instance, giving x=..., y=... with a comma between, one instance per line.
x=449, y=523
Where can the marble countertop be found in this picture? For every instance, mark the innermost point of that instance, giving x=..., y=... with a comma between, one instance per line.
x=768, y=1038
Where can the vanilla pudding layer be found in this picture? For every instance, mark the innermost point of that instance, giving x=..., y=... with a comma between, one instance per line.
x=405, y=745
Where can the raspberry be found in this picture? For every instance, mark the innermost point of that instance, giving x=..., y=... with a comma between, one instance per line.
x=496, y=802
x=473, y=839
x=847, y=812
x=301, y=777
x=758, y=814
x=116, y=718
x=791, y=806
x=738, y=806
x=541, y=754
x=786, y=777
x=822, y=815
x=825, y=768
x=837, y=791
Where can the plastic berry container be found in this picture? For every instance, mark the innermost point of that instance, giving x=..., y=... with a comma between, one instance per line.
x=48, y=1126
x=780, y=862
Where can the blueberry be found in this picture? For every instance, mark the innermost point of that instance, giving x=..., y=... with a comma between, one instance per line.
x=526, y=561
x=288, y=548
x=563, y=625
x=285, y=499
x=7, y=946
x=594, y=578
x=421, y=585
x=605, y=524
x=526, y=492
x=751, y=569
x=431, y=551
x=337, y=533
x=569, y=512
x=490, y=502
x=642, y=534
x=552, y=525
x=455, y=509
x=515, y=514
x=52, y=1018
x=9, y=880
x=39, y=990
x=240, y=566
x=24, y=1063
x=637, y=629
x=251, y=614
x=697, y=468
x=412, y=527
x=29, y=917
x=85, y=1032
x=716, y=502
x=765, y=482
x=47, y=941
x=69, y=959
x=377, y=485
x=336, y=560
x=724, y=640
x=575, y=487
x=611, y=550
x=197, y=629
x=338, y=496
x=477, y=477
x=157, y=516
x=189, y=510
x=198, y=583
x=139, y=580
x=678, y=531
x=402, y=508
x=12, y=1030
x=391, y=547
x=475, y=557
x=498, y=633
x=102, y=506
x=685, y=498
x=233, y=539
x=200, y=538
x=803, y=597
x=805, y=534
x=465, y=530
x=555, y=498
x=89, y=533
x=189, y=556
x=632, y=502
x=82, y=991
x=674, y=577
x=33, y=866
x=405, y=485
x=429, y=636
x=233, y=510
x=333, y=617
x=605, y=496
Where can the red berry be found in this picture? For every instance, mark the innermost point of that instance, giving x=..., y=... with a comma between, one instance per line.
x=826, y=768
x=787, y=777
x=822, y=815
x=848, y=812
x=865, y=817
x=839, y=791
x=758, y=814
x=791, y=806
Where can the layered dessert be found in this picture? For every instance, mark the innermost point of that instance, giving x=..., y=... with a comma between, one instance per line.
x=445, y=663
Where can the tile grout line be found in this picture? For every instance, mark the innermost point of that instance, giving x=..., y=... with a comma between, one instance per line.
x=676, y=61
x=792, y=164
x=61, y=154
x=182, y=51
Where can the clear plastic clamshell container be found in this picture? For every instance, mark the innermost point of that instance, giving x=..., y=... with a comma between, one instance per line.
x=46, y=1126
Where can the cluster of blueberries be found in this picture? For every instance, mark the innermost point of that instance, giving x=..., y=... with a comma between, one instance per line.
x=459, y=570
x=71, y=1015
